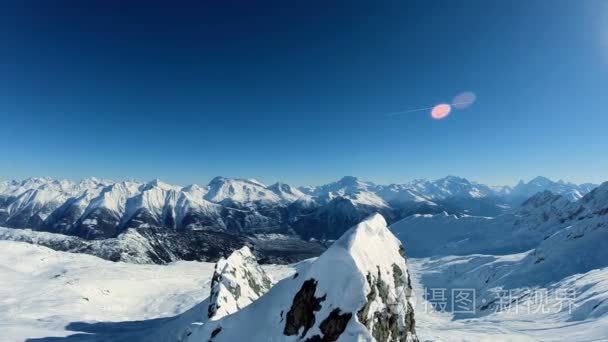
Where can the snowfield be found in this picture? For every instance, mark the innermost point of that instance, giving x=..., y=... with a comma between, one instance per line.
x=76, y=297
x=42, y=291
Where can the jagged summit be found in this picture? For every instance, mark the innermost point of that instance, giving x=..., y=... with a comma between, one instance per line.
x=288, y=192
x=98, y=210
x=456, y=179
x=572, y=192
x=157, y=183
x=237, y=281
x=360, y=288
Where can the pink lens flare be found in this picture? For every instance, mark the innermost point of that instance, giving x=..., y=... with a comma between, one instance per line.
x=440, y=111
x=463, y=100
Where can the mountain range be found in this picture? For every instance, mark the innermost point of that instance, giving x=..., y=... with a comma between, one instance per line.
x=548, y=243
x=168, y=222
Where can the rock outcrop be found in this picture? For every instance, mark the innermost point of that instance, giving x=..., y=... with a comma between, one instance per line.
x=236, y=283
x=358, y=290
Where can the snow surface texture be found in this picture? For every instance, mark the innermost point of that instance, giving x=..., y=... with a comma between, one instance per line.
x=43, y=295
x=359, y=289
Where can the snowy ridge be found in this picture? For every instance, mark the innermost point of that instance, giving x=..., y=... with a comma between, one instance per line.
x=572, y=192
x=95, y=209
x=536, y=220
x=359, y=289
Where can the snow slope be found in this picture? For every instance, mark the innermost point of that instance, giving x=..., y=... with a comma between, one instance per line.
x=42, y=294
x=48, y=293
x=515, y=231
x=553, y=290
x=538, y=316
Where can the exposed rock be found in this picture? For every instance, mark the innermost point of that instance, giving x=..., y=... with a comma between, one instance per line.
x=301, y=315
x=332, y=327
x=236, y=282
x=358, y=290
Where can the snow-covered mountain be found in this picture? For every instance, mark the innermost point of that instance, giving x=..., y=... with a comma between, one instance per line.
x=571, y=191
x=536, y=220
x=359, y=289
x=167, y=215
x=566, y=265
x=515, y=231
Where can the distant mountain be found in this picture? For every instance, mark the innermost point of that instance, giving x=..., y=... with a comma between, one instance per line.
x=571, y=191
x=538, y=219
x=549, y=244
x=94, y=209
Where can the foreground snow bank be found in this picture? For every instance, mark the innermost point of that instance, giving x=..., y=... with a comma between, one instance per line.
x=359, y=289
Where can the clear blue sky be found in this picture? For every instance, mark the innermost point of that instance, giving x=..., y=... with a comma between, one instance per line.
x=299, y=91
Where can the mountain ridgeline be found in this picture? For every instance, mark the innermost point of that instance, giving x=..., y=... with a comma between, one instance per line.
x=173, y=222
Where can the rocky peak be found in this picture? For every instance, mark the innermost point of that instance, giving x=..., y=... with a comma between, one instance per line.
x=360, y=288
x=236, y=283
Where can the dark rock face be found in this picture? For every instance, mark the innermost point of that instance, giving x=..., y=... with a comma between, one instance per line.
x=302, y=311
x=332, y=327
x=212, y=309
x=101, y=223
x=216, y=331
x=384, y=323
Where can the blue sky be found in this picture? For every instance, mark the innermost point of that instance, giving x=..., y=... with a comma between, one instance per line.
x=300, y=91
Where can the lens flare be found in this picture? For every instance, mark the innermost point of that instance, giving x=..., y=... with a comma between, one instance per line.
x=440, y=111
x=463, y=100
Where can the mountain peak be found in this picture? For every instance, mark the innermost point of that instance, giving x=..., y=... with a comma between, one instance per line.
x=157, y=183
x=540, y=180
x=353, y=181
x=349, y=179
x=217, y=180
x=455, y=179
x=256, y=182
x=360, y=288
x=237, y=281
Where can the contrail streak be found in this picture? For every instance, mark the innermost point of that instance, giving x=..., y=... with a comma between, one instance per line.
x=410, y=111
x=426, y=108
